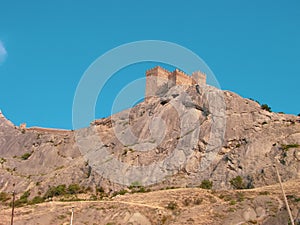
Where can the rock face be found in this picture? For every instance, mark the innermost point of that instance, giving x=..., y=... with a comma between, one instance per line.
x=183, y=136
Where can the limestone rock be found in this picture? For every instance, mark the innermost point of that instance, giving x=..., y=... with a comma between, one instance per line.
x=138, y=219
x=184, y=136
x=249, y=214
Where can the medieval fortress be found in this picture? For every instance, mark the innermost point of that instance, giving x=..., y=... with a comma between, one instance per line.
x=159, y=79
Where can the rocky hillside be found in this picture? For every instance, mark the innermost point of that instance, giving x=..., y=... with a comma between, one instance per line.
x=184, y=136
x=181, y=138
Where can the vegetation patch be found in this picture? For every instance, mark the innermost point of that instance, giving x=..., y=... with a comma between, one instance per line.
x=36, y=200
x=135, y=184
x=26, y=155
x=172, y=205
x=198, y=201
x=293, y=198
x=55, y=191
x=62, y=190
x=287, y=147
x=141, y=190
x=264, y=193
x=74, y=189
x=238, y=183
x=121, y=192
x=232, y=202
x=187, y=201
x=266, y=107
x=22, y=200
x=206, y=184
x=233, y=198
x=2, y=161
x=136, y=187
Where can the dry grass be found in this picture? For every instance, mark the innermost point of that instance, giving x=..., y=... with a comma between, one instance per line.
x=214, y=206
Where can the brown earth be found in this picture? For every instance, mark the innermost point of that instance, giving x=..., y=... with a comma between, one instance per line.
x=177, y=206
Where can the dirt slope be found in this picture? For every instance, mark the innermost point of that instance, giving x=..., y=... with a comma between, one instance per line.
x=176, y=206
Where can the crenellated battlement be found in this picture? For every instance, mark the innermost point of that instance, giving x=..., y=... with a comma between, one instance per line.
x=158, y=78
x=156, y=69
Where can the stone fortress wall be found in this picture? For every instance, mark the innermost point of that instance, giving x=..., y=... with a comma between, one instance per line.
x=158, y=78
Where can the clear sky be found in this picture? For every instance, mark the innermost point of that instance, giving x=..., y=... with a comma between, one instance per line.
x=253, y=48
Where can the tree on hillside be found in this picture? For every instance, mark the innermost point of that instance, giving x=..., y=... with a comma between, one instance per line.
x=266, y=107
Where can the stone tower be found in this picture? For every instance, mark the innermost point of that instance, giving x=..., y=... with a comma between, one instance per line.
x=199, y=78
x=159, y=79
x=156, y=79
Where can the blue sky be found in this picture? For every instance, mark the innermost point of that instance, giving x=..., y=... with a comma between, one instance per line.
x=253, y=48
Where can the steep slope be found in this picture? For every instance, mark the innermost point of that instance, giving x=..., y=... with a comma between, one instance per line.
x=184, y=136
x=215, y=135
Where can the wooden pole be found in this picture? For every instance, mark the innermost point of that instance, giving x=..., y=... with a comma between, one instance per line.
x=72, y=216
x=13, y=208
x=284, y=196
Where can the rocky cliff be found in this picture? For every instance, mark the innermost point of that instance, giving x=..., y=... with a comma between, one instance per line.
x=184, y=136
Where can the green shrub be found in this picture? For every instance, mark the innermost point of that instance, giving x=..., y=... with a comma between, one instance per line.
x=143, y=190
x=140, y=189
x=172, y=205
x=186, y=202
x=232, y=202
x=121, y=192
x=20, y=202
x=73, y=189
x=266, y=107
x=238, y=183
x=56, y=191
x=287, y=147
x=25, y=195
x=135, y=184
x=26, y=155
x=36, y=200
x=198, y=201
x=206, y=184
